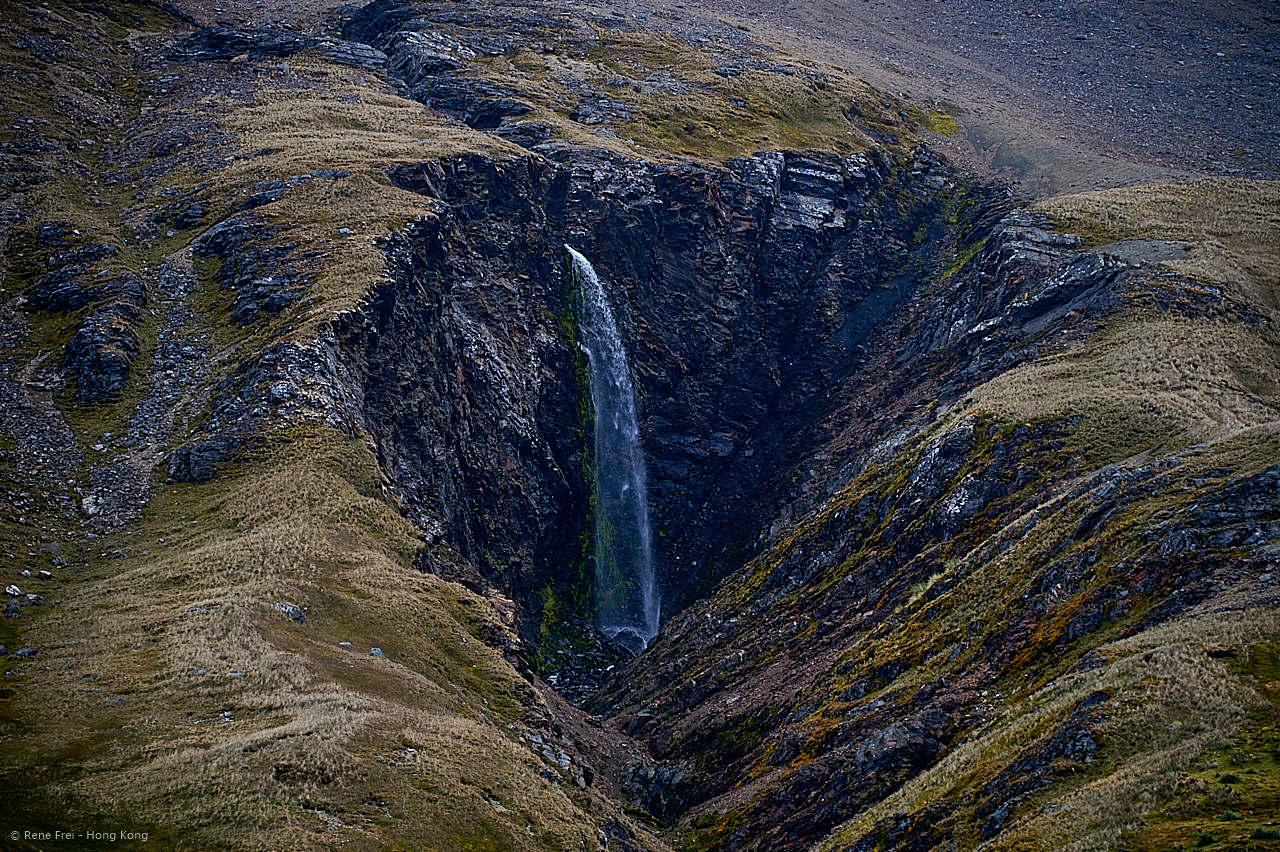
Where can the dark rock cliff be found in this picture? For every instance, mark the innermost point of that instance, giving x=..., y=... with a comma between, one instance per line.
x=758, y=298
x=799, y=328
x=923, y=561
x=744, y=292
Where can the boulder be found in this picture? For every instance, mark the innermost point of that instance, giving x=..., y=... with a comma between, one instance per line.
x=294, y=612
x=99, y=354
x=196, y=462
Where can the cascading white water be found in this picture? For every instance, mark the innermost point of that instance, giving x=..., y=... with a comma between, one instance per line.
x=627, y=601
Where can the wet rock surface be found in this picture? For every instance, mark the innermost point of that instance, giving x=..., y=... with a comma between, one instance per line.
x=744, y=292
x=221, y=43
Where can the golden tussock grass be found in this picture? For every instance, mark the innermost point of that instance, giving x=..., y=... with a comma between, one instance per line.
x=1171, y=703
x=340, y=126
x=173, y=694
x=1149, y=382
x=1232, y=227
x=1168, y=703
x=1155, y=381
x=216, y=720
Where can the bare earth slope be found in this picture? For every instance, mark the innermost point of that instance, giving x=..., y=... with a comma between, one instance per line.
x=1065, y=96
x=1058, y=97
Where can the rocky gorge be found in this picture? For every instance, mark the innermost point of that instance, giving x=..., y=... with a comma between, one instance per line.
x=963, y=509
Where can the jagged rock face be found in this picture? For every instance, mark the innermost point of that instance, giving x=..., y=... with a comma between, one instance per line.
x=429, y=62
x=743, y=291
x=259, y=271
x=800, y=691
x=468, y=387
x=747, y=292
x=100, y=351
x=220, y=43
x=79, y=277
x=910, y=575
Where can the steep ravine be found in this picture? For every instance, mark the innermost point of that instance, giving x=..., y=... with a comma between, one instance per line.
x=797, y=421
x=1005, y=620
x=878, y=567
x=966, y=526
x=744, y=291
x=806, y=335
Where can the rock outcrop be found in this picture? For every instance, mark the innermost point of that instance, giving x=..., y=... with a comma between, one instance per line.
x=924, y=561
x=221, y=43
x=81, y=279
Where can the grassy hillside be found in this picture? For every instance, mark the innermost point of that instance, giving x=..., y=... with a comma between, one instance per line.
x=200, y=670
x=650, y=83
x=1194, y=359
x=196, y=689
x=199, y=665
x=1047, y=620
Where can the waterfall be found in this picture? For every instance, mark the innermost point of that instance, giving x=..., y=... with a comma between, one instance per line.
x=627, y=602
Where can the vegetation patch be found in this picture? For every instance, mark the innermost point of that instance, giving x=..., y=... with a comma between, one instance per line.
x=936, y=119
x=273, y=721
x=1231, y=226
x=651, y=94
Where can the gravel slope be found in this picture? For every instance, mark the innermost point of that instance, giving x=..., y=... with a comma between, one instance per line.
x=1055, y=96
x=1070, y=95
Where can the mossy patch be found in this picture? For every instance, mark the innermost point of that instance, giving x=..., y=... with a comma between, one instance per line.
x=935, y=119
